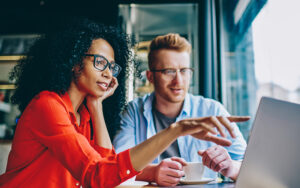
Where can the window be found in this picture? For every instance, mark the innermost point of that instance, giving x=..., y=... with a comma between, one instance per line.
x=276, y=42
x=259, y=54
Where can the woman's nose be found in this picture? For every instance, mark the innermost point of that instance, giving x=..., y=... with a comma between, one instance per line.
x=107, y=72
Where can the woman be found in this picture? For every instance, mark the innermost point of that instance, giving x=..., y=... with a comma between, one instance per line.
x=61, y=86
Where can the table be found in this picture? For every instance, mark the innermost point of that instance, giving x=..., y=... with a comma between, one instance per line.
x=212, y=185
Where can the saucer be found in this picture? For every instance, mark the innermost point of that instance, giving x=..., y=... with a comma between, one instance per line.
x=200, y=181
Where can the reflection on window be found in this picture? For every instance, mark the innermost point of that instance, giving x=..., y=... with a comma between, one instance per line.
x=260, y=55
x=146, y=21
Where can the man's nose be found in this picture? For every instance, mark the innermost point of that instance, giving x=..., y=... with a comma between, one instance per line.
x=178, y=77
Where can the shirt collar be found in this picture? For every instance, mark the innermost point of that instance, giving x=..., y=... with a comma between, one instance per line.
x=186, y=109
x=148, y=101
x=84, y=113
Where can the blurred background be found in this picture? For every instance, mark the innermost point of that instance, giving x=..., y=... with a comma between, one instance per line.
x=242, y=49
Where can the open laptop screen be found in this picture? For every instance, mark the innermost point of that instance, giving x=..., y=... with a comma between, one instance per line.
x=272, y=158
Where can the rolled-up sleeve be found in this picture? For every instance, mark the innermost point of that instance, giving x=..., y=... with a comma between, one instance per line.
x=120, y=164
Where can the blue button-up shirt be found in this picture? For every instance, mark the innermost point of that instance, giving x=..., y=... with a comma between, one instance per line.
x=137, y=125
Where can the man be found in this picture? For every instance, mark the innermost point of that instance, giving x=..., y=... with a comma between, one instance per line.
x=170, y=73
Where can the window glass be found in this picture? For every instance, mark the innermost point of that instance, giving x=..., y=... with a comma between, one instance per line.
x=259, y=56
x=276, y=42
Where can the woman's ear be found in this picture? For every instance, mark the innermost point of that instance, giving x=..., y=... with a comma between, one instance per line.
x=76, y=71
x=77, y=68
x=149, y=75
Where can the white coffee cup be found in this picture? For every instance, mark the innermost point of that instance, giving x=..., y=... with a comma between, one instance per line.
x=193, y=171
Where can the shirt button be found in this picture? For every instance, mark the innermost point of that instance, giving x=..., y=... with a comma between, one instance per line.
x=128, y=172
x=77, y=184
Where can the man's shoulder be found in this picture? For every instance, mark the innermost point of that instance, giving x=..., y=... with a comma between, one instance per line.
x=200, y=100
x=138, y=101
x=205, y=106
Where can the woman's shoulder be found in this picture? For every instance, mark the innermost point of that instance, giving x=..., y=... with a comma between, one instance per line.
x=46, y=98
x=46, y=102
x=47, y=95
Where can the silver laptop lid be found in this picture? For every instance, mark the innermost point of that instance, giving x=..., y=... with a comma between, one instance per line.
x=272, y=158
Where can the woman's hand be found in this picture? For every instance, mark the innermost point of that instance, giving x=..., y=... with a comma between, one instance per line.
x=201, y=128
x=94, y=104
x=204, y=128
x=111, y=89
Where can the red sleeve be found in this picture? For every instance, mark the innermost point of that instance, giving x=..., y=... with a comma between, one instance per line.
x=104, y=152
x=53, y=128
x=119, y=164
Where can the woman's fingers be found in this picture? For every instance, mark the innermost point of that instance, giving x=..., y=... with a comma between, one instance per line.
x=218, y=140
x=208, y=128
x=208, y=124
x=114, y=83
x=217, y=124
x=222, y=121
x=111, y=88
x=238, y=118
x=195, y=125
x=227, y=124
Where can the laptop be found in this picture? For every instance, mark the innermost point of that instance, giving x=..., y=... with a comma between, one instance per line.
x=272, y=157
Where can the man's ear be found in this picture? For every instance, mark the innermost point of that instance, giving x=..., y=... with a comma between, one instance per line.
x=149, y=75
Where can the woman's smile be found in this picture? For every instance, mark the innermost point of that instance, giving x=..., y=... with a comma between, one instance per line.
x=103, y=85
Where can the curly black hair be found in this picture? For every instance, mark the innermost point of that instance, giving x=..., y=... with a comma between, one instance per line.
x=49, y=62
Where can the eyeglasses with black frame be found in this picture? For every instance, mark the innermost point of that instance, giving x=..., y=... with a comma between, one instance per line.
x=101, y=63
x=171, y=73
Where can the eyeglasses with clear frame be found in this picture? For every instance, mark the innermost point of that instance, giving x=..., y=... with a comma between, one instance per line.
x=171, y=73
x=101, y=63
